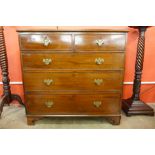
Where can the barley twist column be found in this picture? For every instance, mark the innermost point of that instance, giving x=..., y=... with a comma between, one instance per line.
x=133, y=105
x=6, y=97
x=4, y=67
x=139, y=64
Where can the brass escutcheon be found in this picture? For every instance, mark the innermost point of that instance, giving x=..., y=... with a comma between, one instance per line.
x=48, y=81
x=49, y=104
x=99, y=42
x=99, y=61
x=98, y=81
x=47, y=61
x=46, y=41
x=97, y=104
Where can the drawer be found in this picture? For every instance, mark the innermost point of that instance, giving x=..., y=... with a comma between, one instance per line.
x=45, y=41
x=43, y=81
x=88, y=61
x=83, y=104
x=100, y=42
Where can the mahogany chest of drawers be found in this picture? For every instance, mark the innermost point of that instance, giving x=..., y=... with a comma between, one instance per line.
x=73, y=73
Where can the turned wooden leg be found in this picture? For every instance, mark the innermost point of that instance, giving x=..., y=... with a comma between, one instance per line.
x=17, y=98
x=114, y=120
x=3, y=101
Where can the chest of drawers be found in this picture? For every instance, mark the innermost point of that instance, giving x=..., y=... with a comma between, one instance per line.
x=73, y=73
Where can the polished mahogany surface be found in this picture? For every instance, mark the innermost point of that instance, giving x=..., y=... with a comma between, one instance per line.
x=73, y=73
x=74, y=104
x=109, y=42
x=46, y=41
x=73, y=81
x=76, y=61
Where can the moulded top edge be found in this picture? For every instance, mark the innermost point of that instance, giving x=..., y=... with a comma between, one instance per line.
x=72, y=30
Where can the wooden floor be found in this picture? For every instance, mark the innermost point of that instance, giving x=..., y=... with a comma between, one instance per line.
x=14, y=117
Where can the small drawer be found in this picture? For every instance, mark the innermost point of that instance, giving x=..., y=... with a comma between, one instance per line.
x=100, y=42
x=73, y=104
x=49, y=81
x=45, y=41
x=107, y=61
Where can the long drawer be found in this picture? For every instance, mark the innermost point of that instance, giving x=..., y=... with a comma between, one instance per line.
x=45, y=41
x=98, y=42
x=97, y=80
x=107, y=61
x=80, y=104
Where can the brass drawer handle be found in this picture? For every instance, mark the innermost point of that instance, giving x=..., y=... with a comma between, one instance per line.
x=46, y=41
x=99, y=42
x=48, y=81
x=47, y=61
x=97, y=104
x=99, y=61
x=98, y=81
x=49, y=104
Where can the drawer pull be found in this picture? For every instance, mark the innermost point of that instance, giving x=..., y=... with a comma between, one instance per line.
x=97, y=104
x=99, y=42
x=48, y=81
x=46, y=41
x=47, y=61
x=99, y=61
x=49, y=104
x=98, y=81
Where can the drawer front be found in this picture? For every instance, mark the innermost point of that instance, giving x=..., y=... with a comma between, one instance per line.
x=45, y=41
x=89, y=104
x=100, y=42
x=108, y=61
x=73, y=81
